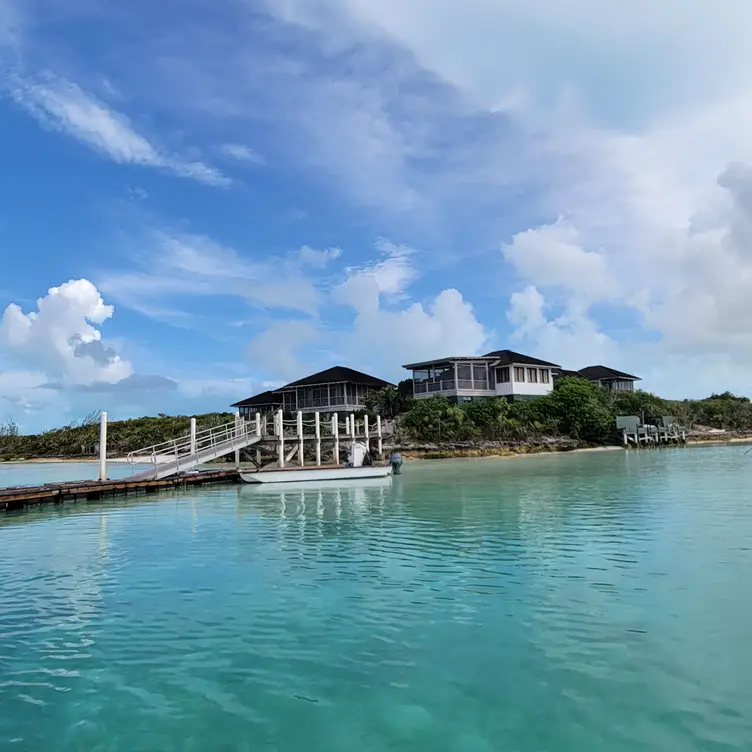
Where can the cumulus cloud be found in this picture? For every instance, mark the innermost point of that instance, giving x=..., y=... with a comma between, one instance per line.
x=571, y=339
x=388, y=328
x=61, y=337
x=552, y=256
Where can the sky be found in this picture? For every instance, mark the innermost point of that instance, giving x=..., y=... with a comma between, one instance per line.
x=200, y=200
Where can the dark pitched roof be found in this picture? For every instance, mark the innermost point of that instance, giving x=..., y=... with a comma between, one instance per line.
x=265, y=398
x=563, y=372
x=596, y=373
x=501, y=357
x=440, y=361
x=510, y=357
x=336, y=375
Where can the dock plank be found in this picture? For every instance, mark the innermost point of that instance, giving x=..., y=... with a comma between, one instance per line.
x=19, y=497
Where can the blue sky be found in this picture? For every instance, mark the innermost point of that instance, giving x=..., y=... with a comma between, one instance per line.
x=202, y=199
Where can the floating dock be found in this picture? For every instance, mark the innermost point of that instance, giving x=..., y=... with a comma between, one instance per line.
x=21, y=497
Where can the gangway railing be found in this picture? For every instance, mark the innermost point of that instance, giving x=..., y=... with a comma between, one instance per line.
x=186, y=452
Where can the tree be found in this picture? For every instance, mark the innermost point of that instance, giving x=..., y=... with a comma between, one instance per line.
x=580, y=409
x=9, y=429
x=643, y=404
x=435, y=419
x=389, y=401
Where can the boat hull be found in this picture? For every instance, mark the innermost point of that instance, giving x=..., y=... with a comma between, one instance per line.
x=317, y=474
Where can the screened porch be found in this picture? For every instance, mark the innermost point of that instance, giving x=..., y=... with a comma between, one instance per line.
x=453, y=377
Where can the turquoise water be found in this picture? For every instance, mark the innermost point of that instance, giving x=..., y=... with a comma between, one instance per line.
x=37, y=473
x=545, y=604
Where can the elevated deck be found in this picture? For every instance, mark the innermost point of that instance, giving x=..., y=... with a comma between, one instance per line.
x=20, y=497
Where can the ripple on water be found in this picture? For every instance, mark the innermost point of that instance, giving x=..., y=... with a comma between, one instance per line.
x=567, y=603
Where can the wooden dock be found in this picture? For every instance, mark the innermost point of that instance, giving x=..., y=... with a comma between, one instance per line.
x=21, y=497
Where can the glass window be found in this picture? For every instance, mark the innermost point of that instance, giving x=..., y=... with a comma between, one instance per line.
x=290, y=403
x=532, y=375
x=545, y=377
x=519, y=373
x=422, y=375
x=502, y=375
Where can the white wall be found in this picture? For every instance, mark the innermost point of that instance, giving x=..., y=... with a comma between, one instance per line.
x=524, y=388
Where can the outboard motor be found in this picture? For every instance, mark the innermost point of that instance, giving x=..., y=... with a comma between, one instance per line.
x=396, y=462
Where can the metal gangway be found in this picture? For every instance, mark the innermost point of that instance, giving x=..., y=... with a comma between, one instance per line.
x=187, y=452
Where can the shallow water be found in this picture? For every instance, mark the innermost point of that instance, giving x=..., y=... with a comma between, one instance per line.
x=37, y=473
x=587, y=602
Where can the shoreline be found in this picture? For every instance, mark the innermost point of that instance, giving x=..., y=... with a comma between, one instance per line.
x=436, y=452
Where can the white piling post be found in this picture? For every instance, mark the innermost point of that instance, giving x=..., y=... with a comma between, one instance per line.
x=238, y=428
x=352, y=436
x=317, y=419
x=365, y=432
x=380, y=444
x=103, y=446
x=300, y=439
x=193, y=436
x=335, y=434
x=259, y=435
x=280, y=439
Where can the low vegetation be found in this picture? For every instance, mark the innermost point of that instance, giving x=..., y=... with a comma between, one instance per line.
x=80, y=438
x=575, y=410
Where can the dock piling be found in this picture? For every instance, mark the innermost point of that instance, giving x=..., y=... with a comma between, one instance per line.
x=259, y=433
x=280, y=431
x=103, y=446
x=193, y=436
x=379, y=442
x=335, y=434
x=301, y=460
x=365, y=431
x=317, y=423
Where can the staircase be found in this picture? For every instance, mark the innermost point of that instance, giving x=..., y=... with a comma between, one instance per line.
x=179, y=455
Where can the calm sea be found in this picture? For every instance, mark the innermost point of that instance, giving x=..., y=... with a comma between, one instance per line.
x=545, y=604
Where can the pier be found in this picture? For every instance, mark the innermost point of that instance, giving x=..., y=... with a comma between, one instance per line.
x=638, y=434
x=21, y=497
x=302, y=440
x=276, y=441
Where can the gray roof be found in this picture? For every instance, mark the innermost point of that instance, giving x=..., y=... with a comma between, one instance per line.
x=265, y=398
x=497, y=357
x=512, y=358
x=598, y=373
x=336, y=375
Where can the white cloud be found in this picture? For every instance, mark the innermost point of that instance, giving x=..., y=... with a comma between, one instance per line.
x=656, y=53
x=276, y=350
x=181, y=265
x=242, y=153
x=61, y=337
x=318, y=259
x=63, y=106
x=388, y=330
x=24, y=392
x=552, y=256
x=572, y=339
x=390, y=277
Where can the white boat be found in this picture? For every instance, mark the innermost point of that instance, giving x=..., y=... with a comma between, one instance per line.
x=355, y=468
x=308, y=474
